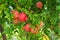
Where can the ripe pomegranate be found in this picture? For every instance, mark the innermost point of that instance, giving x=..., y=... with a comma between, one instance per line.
x=39, y=5
x=16, y=14
x=23, y=17
x=26, y=27
x=32, y=30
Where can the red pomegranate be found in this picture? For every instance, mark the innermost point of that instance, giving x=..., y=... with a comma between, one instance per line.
x=39, y=5
x=32, y=30
x=23, y=17
x=26, y=27
x=16, y=14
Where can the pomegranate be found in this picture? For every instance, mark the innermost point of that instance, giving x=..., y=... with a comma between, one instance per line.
x=23, y=17
x=39, y=5
x=26, y=27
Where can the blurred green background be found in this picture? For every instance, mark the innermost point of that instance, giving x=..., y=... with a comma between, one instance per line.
x=49, y=14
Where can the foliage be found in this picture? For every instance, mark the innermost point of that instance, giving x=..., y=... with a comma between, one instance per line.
x=49, y=14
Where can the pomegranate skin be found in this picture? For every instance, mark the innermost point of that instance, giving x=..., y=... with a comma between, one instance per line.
x=23, y=17
x=39, y=5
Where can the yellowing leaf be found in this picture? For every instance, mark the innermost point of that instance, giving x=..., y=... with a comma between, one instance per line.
x=45, y=37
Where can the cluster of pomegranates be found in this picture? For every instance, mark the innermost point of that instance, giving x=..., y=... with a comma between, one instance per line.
x=22, y=17
x=34, y=31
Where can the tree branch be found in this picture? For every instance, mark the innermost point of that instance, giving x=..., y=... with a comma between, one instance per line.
x=3, y=35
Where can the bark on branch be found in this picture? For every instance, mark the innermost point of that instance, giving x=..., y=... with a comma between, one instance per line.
x=3, y=35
